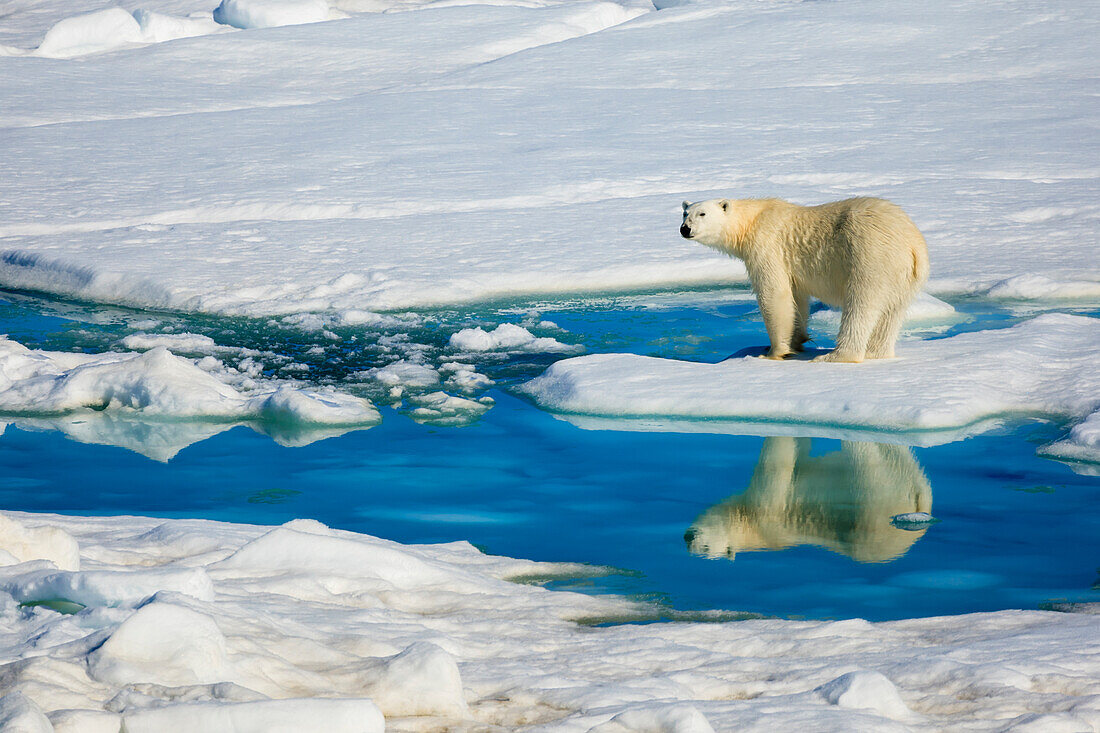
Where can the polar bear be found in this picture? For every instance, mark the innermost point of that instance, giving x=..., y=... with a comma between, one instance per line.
x=863, y=255
x=842, y=501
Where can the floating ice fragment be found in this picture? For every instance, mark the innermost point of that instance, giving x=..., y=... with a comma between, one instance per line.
x=158, y=383
x=1082, y=443
x=179, y=343
x=291, y=405
x=404, y=373
x=913, y=521
x=465, y=377
x=440, y=408
x=508, y=337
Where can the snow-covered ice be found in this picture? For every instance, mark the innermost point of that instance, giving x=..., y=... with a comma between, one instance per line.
x=271, y=13
x=508, y=337
x=157, y=402
x=1082, y=443
x=473, y=151
x=327, y=172
x=1046, y=367
x=320, y=629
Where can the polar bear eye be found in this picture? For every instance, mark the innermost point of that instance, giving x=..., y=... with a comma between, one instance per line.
x=702, y=213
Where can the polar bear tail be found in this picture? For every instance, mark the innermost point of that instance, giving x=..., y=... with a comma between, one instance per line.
x=920, y=263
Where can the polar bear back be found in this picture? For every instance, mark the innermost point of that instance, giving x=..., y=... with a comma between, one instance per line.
x=828, y=247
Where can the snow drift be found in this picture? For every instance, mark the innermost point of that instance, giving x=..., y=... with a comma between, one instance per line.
x=191, y=624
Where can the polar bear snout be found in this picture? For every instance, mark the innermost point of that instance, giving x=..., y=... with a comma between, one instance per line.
x=685, y=231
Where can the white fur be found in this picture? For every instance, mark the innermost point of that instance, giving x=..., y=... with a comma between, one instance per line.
x=862, y=255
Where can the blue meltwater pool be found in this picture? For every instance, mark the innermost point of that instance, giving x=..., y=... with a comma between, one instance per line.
x=779, y=524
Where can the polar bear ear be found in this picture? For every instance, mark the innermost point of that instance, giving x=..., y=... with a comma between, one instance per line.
x=686, y=205
x=725, y=204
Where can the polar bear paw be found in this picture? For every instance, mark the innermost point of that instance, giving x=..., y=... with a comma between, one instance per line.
x=840, y=357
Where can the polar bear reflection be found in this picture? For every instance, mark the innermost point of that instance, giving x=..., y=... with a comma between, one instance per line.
x=842, y=501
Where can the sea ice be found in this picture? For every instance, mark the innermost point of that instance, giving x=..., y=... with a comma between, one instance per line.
x=315, y=628
x=24, y=544
x=177, y=343
x=869, y=690
x=508, y=337
x=405, y=374
x=1082, y=443
x=1045, y=367
x=113, y=28
x=83, y=34
x=157, y=403
x=912, y=520
x=157, y=383
x=550, y=148
x=266, y=716
x=19, y=715
x=440, y=408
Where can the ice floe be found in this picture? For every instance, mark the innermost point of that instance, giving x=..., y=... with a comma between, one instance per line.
x=508, y=337
x=575, y=149
x=1082, y=443
x=120, y=397
x=1044, y=367
x=310, y=628
x=177, y=343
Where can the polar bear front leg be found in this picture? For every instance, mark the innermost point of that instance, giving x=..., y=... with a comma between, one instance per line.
x=773, y=293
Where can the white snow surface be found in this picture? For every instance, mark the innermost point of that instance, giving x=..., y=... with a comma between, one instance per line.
x=313, y=629
x=139, y=399
x=1048, y=366
x=465, y=151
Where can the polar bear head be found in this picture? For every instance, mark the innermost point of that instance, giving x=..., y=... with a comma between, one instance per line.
x=706, y=222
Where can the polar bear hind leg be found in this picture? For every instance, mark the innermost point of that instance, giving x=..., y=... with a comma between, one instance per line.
x=885, y=335
x=801, y=320
x=859, y=317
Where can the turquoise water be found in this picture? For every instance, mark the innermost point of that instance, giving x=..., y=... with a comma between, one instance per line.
x=785, y=526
